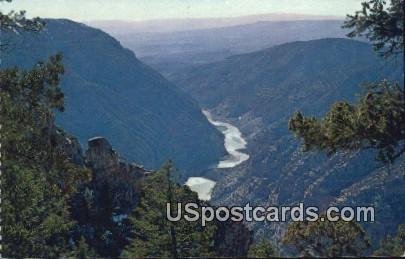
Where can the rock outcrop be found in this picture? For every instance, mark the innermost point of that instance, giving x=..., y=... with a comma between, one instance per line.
x=105, y=161
x=232, y=239
x=123, y=179
x=103, y=205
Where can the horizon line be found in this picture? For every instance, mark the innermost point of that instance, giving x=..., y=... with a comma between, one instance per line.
x=326, y=17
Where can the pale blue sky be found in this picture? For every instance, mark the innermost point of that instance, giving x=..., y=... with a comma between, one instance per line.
x=158, y=9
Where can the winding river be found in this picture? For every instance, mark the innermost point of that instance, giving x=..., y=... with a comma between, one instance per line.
x=234, y=143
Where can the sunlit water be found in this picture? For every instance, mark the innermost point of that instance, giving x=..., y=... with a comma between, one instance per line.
x=234, y=143
x=202, y=186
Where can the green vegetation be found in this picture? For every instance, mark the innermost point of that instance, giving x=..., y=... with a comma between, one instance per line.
x=38, y=177
x=153, y=235
x=41, y=181
x=15, y=21
x=43, y=187
x=378, y=120
x=262, y=249
x=326, y=238
x=381, y=24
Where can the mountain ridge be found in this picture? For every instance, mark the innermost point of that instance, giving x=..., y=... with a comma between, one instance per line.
x=111, y=93
x=265, y=70
x=170, y=51
x=176, y=25
x=258, y=92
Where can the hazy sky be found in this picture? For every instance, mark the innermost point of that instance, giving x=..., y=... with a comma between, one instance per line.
x=157, y=9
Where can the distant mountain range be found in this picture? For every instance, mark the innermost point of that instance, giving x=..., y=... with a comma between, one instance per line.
x=260, y=91
x=122, y=27
x=111, y=93
x=169, y=51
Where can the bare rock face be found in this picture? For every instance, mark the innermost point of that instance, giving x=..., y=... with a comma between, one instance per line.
x=100, y=155
x=73, y=150
x=232, y=239
x=106, y=164
x=121, y=178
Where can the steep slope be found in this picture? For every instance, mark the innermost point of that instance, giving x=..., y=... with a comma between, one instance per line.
x=109, y=92
x=280, y=80
x=259, y=91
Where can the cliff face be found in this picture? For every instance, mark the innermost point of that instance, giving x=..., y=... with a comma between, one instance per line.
x=123, y=179
x=102, y=206
x=232, y=239
x=109, y=92
x=107, y=168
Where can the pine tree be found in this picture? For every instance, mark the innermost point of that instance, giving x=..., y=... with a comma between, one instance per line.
x=262, y=249
x=378, y=120
x=326, y=238
x=153, y=235
x=37, y=176
x=382, y=24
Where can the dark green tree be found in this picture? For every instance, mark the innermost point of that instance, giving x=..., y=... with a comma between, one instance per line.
x=378, y=120
x=262, y=249
x=37, y=175
x=82, y=250
x=16, y=22
x=326, y=238
x=153, y=235
x=381, y=23
x=100, y=209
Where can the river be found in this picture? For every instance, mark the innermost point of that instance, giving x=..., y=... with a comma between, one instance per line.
x=234, y=144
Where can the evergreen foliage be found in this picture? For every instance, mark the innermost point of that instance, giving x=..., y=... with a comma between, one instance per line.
x=376, y=122
x=327, y=238
x=382, y=24
x=262, y=249
x=154, y=235
x=43, y=185
x=16, y=21
x=38, y=176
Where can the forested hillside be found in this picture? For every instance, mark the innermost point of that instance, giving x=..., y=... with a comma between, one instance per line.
x=111, y=93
